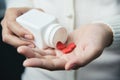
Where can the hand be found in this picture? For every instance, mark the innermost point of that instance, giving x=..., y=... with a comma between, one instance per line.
x=13, y=33
x=90, y=41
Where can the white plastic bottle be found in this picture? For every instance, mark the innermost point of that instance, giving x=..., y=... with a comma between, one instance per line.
x=44, y=27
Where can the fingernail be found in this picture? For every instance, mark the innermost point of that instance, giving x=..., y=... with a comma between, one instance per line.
x=27, y=36
x=31, y=45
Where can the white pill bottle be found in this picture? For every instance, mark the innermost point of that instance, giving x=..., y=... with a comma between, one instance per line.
x=44, y=27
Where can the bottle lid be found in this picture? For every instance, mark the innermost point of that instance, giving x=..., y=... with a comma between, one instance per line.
x=54, y=34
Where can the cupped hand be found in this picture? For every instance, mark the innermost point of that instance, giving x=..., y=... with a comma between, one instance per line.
x=90, y=40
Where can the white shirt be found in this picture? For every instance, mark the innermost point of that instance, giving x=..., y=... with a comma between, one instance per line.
x=72, y=14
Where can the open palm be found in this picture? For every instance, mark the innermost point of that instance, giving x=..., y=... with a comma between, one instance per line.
x=90, y=41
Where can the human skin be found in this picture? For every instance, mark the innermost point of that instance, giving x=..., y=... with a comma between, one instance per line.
x=90, y=40
x=13, y=33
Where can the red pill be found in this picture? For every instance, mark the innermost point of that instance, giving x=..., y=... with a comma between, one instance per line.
x=72, y=45
x=60, y=46
x=67, y=50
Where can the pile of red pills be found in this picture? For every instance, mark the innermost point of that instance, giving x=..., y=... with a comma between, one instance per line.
x=66, y=48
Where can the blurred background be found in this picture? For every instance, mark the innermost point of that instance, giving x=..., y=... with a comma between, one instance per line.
x=10, y=61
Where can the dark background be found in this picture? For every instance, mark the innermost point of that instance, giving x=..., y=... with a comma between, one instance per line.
x=10, y=61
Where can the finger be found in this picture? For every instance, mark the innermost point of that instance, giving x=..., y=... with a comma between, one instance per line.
x=28, y=52
x=19, y=30
x=11, y=39
x=48, y=51
x=76, y=59
x=83, y=57
x=56, y=64
x=31, y=52
x=11, y=15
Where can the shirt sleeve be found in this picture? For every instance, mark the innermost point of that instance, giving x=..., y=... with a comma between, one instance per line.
x=19, y=3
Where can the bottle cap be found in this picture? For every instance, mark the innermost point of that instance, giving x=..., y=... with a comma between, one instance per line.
x=55, y=33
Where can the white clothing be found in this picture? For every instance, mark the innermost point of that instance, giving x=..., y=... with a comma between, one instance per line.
x=72, y=14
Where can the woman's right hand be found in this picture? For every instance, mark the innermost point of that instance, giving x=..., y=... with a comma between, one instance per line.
x=13, y=33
